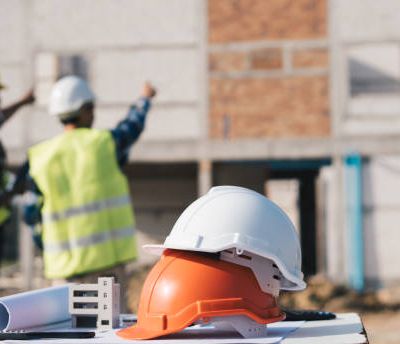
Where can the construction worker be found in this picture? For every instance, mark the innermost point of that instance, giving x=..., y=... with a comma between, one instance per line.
x=88, y=225
x=5, y=114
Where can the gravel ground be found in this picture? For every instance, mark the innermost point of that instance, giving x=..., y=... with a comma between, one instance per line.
x=383, y=327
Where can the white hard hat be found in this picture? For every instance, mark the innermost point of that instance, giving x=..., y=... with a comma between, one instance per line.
x=234, y=217
x=68, y=95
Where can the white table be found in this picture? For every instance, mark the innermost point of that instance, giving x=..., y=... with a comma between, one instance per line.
x=346, y=329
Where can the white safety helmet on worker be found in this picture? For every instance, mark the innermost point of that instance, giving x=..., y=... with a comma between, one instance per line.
x=234, y=217
x=68, y=95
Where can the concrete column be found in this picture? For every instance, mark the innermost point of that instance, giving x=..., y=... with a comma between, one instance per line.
x=341, y=268
x=338, y=100
x=26, y=252
x=204, y=176
x=204, y=169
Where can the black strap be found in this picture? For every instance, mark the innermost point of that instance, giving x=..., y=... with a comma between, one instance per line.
x=41, y=335
x=307, y=315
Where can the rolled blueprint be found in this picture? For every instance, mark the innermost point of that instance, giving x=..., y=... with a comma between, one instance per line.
x=34, y=308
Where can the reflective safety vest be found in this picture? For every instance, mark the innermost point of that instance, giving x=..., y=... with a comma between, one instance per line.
x=4, y=215
x=88, y=221
x=5, y=212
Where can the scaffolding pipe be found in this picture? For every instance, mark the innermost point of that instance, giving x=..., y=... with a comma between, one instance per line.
x=354, y=207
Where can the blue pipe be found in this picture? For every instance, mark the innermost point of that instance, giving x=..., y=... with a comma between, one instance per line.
x=354, y=210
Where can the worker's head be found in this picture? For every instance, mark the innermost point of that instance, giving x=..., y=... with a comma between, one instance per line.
x=72, y=101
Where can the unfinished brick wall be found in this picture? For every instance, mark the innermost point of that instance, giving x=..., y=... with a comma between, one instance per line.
x=247, y=20
x=268, y=68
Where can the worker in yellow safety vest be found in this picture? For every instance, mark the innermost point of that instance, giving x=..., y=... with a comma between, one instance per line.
x=88, y=224
x=5, y=181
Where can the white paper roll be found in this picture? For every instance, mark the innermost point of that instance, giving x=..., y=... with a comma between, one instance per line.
x=34, y=308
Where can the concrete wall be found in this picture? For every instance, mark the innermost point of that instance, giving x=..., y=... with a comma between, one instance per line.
x=122, y=44
x=365, y=51
x=14, y=70
x=365, y=36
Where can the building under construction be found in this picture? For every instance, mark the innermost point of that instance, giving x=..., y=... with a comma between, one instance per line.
x=299, y=100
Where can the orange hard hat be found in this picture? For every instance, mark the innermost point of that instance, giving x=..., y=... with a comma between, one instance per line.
x=185, y=287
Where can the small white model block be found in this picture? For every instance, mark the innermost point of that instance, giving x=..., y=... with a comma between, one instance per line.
x=99, y=301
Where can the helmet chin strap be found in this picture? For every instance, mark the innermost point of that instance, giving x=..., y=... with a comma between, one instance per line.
x=266, y=272
x=245, y=326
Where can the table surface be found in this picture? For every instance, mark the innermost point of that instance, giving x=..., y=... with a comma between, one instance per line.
x=346, y=329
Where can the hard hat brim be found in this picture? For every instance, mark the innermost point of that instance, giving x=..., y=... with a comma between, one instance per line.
x=136, y=332
x=156, y=250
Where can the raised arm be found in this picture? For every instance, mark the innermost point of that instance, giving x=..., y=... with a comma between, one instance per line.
x=129, y=129
x=6, y=113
